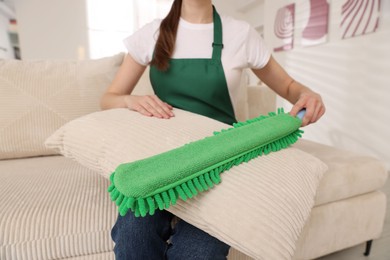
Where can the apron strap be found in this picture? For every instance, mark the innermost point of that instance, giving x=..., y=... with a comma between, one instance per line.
x=217, y=44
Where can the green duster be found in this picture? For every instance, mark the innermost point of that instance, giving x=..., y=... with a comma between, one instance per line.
x=157, y=182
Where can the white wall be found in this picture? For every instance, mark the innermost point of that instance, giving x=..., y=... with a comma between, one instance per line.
x=52, y=29
x=353, y=77
x=227, y=7
x=255, y=14
x=79, y=29
x=6, y=50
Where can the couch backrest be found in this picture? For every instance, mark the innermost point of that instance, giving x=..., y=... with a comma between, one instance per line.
x=37, y=97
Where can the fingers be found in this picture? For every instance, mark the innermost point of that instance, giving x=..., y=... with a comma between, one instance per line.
x=296, y=108
x=314, y=106
x=151, y=106
x=316, y=114
x=140, y=109
x=164, y=108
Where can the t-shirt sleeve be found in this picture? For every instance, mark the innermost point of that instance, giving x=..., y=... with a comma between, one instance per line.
x=140, y=44
x=257, y=52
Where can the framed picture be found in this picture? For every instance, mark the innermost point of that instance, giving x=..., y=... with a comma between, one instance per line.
x=284, y=28
x=315, y=14
x=359, y=17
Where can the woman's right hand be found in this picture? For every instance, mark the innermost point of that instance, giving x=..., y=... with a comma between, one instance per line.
x=149, y=105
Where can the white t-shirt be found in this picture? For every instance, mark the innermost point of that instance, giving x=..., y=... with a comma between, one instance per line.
x=243, y=47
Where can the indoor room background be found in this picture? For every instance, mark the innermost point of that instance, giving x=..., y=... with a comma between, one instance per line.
x=351, y=72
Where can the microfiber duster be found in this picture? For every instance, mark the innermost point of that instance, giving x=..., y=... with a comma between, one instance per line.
x=157, y=182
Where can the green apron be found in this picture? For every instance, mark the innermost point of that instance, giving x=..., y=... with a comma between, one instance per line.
x=197, y=85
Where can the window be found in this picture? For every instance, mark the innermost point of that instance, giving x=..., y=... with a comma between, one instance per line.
x=109, y=22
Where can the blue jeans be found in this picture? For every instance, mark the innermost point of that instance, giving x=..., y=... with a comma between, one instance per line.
x=146, y=239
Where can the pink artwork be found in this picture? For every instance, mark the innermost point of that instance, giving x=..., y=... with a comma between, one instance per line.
x=284, y=28
x=316, y=29
x=359, y=17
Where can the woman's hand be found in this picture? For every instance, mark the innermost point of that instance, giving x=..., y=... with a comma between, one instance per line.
x=315, y=108
x=275, y=77
x=149, y=105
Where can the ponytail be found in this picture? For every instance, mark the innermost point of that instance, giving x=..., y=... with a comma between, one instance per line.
x=165, y=44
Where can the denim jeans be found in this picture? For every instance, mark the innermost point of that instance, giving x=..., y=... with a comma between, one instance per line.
x=145, y=238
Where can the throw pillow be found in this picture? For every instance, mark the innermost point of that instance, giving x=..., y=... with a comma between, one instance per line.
x=259, y=208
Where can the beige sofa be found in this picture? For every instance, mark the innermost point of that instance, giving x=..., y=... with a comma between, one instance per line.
x=53, y=208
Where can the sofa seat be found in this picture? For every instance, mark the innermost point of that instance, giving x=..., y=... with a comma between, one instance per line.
x=53, y=208
x=349, y=174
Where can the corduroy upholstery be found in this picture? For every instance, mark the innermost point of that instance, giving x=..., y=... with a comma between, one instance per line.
x=52, y=208
x=37, y=97
x=42, y=212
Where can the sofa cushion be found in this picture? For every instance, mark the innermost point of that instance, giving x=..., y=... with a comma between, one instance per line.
x=37, y=97
x=349, y=174
x=265, y=201
x=53, y=208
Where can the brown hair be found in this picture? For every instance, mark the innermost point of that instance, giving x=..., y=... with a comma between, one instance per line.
x=166, y=40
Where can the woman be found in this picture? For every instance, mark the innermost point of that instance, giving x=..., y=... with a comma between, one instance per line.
x=196, y=60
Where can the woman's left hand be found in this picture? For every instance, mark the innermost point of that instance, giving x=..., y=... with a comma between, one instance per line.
x=313, y=104
x=275, y=77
